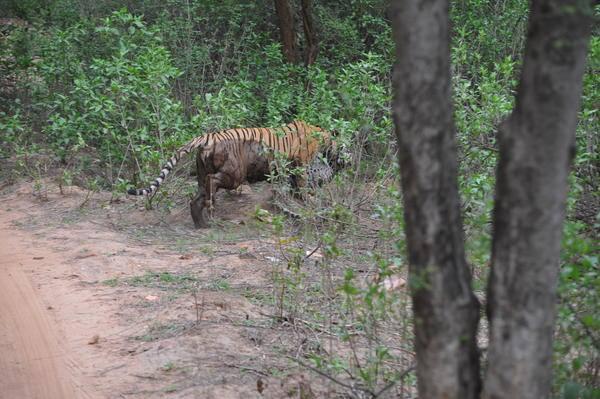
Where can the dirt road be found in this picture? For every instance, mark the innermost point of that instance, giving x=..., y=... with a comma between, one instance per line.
x=34, y=363
x=102, y=299
x=85, y=312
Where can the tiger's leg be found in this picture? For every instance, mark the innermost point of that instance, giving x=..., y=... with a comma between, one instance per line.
x=197, y=205
x=198, y=210
x=211, y=191
x=202, y=206
x=213, y=183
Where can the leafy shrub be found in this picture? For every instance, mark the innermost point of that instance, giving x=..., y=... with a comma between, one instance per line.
x=14, y=135
x=119, y=105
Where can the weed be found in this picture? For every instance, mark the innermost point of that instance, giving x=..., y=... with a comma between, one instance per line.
x=164, y=281
x=111, y=282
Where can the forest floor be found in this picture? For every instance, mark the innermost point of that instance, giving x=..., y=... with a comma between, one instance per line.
x=104, y=299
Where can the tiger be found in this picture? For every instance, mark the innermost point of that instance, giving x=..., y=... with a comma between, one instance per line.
x=228, y=158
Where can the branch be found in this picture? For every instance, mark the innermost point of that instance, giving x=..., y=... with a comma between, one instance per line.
x=333, y=379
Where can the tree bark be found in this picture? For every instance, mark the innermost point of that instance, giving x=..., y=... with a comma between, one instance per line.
x=536, y=149
x=287, y=30
x=446, y=312
x=312, y=47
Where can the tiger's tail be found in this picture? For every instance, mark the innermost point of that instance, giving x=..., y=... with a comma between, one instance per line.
x=167, y=168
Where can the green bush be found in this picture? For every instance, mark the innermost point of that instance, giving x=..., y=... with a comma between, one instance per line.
x=119, y=105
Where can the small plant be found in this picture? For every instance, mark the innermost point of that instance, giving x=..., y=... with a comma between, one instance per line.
x=169, y=366
x=65, y=179
x=111, y=282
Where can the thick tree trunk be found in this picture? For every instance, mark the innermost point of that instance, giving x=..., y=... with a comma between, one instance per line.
x=287, y=30
x=446, y=312
x=536, y=148
x=312, y=47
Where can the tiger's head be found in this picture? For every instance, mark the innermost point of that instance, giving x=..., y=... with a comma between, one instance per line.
x=329, y=146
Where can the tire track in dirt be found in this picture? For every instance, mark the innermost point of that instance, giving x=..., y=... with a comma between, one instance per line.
x=33, y=363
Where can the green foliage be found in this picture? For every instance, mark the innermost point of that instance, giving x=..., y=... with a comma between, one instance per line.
x=578, y=327
x=272, y=92
x=479, y=109
x=117, y=106
x=588, y=140
x=14, y=135
x=486, y=32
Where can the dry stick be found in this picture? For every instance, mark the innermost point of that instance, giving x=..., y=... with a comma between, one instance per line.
x=129, y=138
x=122, y=162
x=86, y=199
x=246, y=368
x=313, y=251
x=391, y=384
x=195, y=295
x=352, y=344
x=314, y=326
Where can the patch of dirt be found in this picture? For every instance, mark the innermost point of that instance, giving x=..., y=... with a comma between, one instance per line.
x=107, y=300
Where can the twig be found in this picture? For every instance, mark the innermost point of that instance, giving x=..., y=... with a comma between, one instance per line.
x=333, y=379
x=199, y=309
x=109, y=369
x=313, y=251
x=246, y=368
x=391, y=384
x=294, y=320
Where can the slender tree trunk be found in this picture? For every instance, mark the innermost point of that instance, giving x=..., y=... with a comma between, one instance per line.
x=446, y=312
x=287, y=30
x=536, y=149
x=312, y=47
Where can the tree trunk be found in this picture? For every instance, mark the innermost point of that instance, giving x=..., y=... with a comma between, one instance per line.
x=536, y=149
x=312, y=47
x=286, y=29
x=446, y=312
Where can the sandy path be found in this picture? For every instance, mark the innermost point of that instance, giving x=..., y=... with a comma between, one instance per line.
x=85, y=312
x=33, y=362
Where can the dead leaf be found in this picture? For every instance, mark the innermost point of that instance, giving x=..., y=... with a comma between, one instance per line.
x=392, y=283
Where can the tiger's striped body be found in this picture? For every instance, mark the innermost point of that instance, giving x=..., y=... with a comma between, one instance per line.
x=228, y=158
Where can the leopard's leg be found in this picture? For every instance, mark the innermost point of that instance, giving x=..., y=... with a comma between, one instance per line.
x=299, y=184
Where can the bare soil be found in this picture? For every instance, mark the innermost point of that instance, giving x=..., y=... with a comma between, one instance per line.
x=104, y=299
